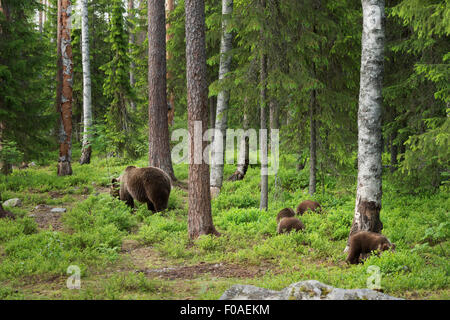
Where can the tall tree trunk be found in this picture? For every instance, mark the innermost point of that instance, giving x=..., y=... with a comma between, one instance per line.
x=40, y=19
x=394, y=152
x=369, y=192
x=6, y=168
x=159, y=147
x=65, y=92
x=212, y=113
x=274, y=114
x=171, y=112
x=217, y=153
x=312, y=144
x=199, y=215
x=243, y=159
x=44, y=13
x=131, y=41
x=87, y=97
x=263, y=137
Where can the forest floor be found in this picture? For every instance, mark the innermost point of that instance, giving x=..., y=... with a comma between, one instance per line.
x=133, y=254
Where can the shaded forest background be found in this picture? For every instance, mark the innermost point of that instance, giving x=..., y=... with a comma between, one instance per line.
x=310, y=47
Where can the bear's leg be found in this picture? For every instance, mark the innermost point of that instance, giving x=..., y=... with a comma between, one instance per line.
x=150, y=206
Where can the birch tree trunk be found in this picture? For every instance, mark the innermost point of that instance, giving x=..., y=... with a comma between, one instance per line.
x=369, y=192
x=159, y=148
x=199, y=215
x=87, y=97
x=217, y=151
x=40, y=18
x=66, y=77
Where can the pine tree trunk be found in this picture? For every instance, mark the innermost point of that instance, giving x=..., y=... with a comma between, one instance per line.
x=65, y=77
x=394, y=152
x=274, y=116
x=369, y=192
x=6, y=168
x=199, y=215
x=264, y=199
x=131, y=42
x=87, y=97
x=171, y=112
x=243, y=160
x=312, y=144
x=217, y=152
x=159, y=147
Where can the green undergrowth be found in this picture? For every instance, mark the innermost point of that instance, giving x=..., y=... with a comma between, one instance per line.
x=95, y=227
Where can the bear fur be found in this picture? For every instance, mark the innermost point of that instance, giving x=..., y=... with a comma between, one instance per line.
x=364, y=242
x=314, y=206
x=290, y=223
x=285, y=213
x=6, y=214
x=150, y=185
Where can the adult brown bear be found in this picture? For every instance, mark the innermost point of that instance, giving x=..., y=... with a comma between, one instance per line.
x=364, y=242
x=285, y=213
x=314, y=206
x=150, y=185
x=288, y=224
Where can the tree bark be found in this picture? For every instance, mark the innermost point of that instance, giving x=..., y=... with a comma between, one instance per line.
x=131, y=42
x=369, y=191
x=312, y=144
x=243, y=160
x=87, y=97
x=394, y=152
x=171, y=112
x=40, y=18
x=6, y=168
x=217, y=152
x=66, y=77
x=263, y=203
x=159, y=147
x=274, y=115
x=199, y=215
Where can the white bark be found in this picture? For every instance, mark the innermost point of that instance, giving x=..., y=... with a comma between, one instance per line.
x=87, y=97
x=217, y=152
x=369, y=192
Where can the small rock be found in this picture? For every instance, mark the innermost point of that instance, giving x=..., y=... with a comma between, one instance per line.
x=32, y=164
x=15, y=202
x=41, y=206
x=129, y=244
x=58, y=210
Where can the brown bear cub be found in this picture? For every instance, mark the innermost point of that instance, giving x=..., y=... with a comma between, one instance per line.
x=364, y=242
x=150, y=185
x=288, y=224
x=285, y=213
x=308, y=204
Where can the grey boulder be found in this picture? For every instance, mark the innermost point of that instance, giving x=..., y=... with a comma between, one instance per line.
x=14, y=202
x=304, y=290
